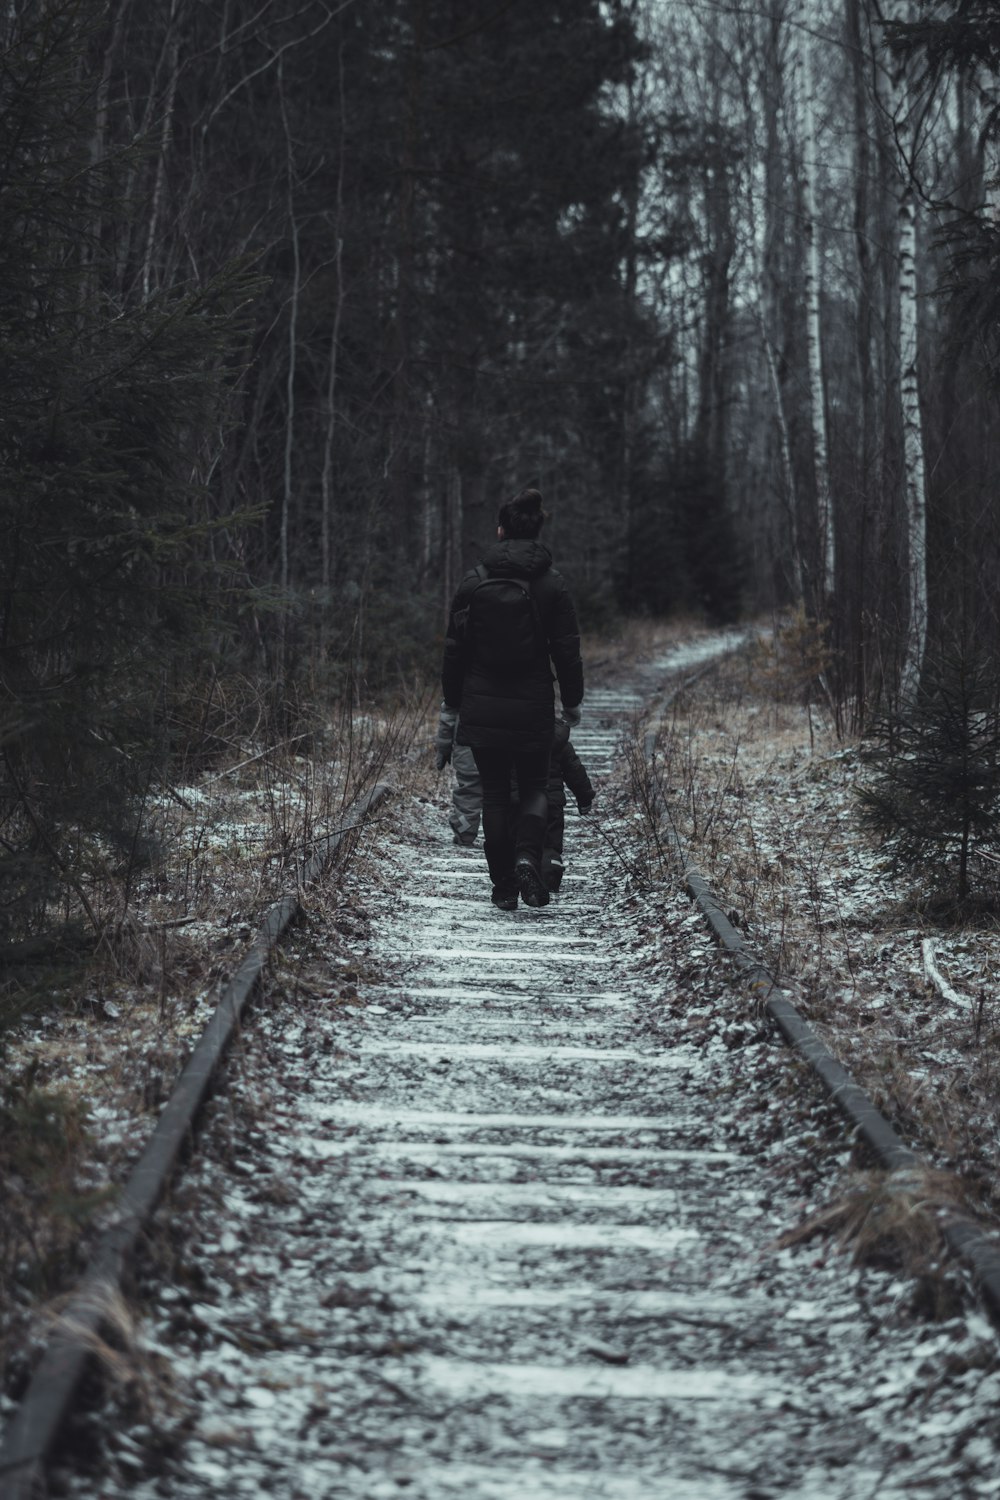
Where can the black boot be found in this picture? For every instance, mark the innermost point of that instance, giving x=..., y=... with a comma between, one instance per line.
x=505, y=897
x=529, y=882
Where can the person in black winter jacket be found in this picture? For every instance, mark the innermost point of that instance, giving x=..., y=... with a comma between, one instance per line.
x=502, y=644
x=566, y=770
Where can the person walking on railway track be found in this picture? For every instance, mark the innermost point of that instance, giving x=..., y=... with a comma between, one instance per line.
x=566, y=770
x=511, y=621
x=467, y=797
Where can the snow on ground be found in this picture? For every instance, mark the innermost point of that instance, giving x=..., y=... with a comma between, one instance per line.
x=763, y=793
x=99, y=1046
x=510, y=1207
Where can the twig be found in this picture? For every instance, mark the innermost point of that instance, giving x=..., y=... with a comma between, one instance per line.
x=231, y=770
x=172, y=791
x=934, y=976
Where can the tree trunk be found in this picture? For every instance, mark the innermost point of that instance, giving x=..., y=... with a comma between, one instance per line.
x=762, y=82
x=159, y=180
x=914, y=481
x=293, y=330
x=787, y=469
x=326, y=476
x=814, y=346
x=859, y=56
x=913, y=448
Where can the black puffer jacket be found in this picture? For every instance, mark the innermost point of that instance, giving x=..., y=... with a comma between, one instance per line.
x=498, y=708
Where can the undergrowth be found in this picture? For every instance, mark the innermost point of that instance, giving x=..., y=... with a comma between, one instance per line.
x=93, y=1034
x=758, y=781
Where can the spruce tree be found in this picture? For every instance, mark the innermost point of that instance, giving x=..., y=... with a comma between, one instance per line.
x=933, y=785
x=106, y=399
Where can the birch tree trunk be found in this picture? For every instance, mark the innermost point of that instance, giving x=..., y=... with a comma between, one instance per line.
x=914, y=474
x=813, y=296
x=788, y=471
x=913, y=449
x=863, y=129
x=762, y=80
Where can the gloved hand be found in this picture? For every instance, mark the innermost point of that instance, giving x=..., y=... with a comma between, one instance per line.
x=571, y=715
x=583, y=808
x=445, y=741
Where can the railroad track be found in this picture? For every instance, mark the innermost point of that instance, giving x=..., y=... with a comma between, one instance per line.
x=504, y=1232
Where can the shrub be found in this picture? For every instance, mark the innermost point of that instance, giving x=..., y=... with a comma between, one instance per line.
x=933, y=787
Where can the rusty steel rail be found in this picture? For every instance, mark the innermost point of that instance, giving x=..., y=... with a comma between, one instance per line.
x=966, y=1237
x=31, y=1435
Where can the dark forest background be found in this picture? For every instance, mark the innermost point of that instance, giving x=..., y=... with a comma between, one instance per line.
x=294, y=292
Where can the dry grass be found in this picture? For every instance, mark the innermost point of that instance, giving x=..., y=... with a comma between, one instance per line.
x=894, y=1219
x=761, y=788
x=87, y=1066
x=104, y=1324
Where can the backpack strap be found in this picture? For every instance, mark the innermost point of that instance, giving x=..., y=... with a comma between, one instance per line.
x=462, y=615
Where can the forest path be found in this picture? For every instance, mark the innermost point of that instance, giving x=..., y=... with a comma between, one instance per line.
x=498, y=1240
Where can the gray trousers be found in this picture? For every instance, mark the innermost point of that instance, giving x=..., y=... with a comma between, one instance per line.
x=467, y=798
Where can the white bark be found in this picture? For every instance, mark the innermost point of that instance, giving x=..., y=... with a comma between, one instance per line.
x=913, y=449
x=813, y=299
x=762, y=83
x=787, y=469
x=914, y=468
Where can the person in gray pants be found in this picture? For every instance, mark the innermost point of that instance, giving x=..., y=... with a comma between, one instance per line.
x=565, y=770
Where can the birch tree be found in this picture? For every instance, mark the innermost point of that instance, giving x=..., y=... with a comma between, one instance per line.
x=901, y=107
x=859, y=55
x=813, y=299
x=762, y=81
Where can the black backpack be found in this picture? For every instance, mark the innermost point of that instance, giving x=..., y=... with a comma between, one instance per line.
x=501, y=625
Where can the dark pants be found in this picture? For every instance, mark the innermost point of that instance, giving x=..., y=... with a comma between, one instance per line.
x=504, y=843
x=553, y=842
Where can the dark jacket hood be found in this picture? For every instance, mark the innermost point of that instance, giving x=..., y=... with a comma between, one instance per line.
x=517, y=557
